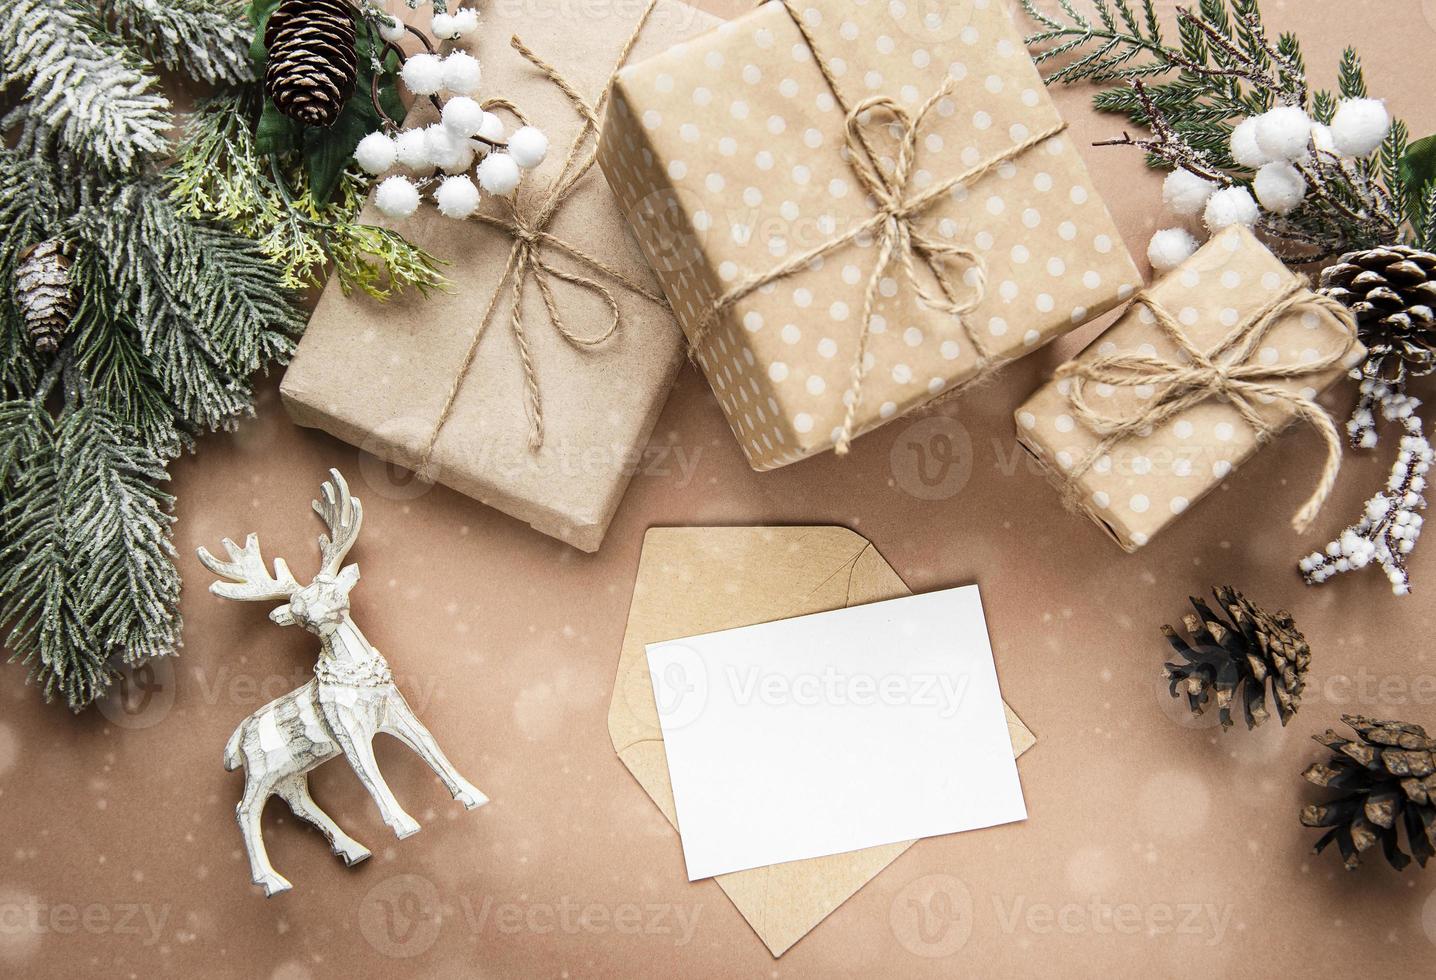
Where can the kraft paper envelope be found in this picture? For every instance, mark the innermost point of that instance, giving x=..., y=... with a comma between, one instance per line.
x=701, y=579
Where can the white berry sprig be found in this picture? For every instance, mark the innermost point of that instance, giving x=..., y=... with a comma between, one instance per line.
x=1391, y=523
x=1293, y=158
x=469, y=149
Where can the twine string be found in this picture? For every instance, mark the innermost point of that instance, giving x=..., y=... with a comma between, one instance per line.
x=892, y=224
x=526, y=222
x=1226, y=370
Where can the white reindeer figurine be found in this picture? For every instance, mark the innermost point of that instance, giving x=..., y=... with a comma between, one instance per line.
x=351, y=697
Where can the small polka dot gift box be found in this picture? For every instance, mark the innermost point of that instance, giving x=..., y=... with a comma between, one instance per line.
x=1207, y=365
x=855, y=207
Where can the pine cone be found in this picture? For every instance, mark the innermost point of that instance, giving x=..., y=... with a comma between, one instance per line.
x=1240, y=652
x=312, y=65
x=1392, y=292
x=1390, y=779
x=42, y=292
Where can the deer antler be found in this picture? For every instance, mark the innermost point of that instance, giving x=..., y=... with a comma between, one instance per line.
x=249, y=580
x=343, y=514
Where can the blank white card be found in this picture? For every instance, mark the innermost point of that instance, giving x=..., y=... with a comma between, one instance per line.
x=833, y=732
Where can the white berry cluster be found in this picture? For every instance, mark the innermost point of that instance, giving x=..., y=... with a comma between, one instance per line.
x=1280, y=145
x=1388, y=529
x=446, y=24
x=467, y=137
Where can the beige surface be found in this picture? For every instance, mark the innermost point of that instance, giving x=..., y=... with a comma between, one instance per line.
x=506, y=643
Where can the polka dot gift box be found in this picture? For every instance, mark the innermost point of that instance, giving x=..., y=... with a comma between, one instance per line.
x=1212, y=360
x=855, y=207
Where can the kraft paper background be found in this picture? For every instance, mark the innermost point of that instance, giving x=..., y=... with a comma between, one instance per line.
x=506, y=642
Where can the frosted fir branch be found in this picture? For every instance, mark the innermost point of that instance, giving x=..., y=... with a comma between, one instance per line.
x=82, y=87
x=201, y=39
x=1391, y=523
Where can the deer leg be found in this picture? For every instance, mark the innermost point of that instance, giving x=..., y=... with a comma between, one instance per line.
x=361, y=756
x=295, y=792
x=248, y=812
x=406, y=727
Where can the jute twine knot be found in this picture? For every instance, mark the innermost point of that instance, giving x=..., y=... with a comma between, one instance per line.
x=526, y=221
x=892, y=226
x=1230, y=369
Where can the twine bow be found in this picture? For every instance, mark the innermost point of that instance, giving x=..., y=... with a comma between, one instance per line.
x=897, y=205
x=526, y=221
x=1226, y=370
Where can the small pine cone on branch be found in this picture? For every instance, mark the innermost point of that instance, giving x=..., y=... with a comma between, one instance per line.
x=1239, y=653
x=312, y=64
x=1388, y=775
x=1392, y=292
x=43, y=295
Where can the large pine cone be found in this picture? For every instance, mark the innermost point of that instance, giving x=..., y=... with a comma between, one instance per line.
x=1392, y=292
x=1389, y=775
x=1240, y=652
x=43, y=295
x=312, y=65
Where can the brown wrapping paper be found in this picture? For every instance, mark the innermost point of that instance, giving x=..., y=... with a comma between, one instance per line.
x=377, y=374
x=727, y=153
x=1146, y=481
x=699, y=579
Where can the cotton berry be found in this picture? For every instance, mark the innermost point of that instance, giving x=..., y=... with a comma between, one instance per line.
x=375, y=153
x=461, y=73
x=411, y=149
x=1284, y=133
x=1359, y=126
x=443, y=26
x=457, y=197
x=1230, y=206
x=392, y=30
x=445, y=150
x=1185, y=193
x=491, y=129
x=463, y=116
x=423, y=74
x=498, y=173
x=397, y=197
x=1245, y=150
x=528, y=146
x=466, y=21
x=1170, y=247
x=1321, y=138
x=1279, y=187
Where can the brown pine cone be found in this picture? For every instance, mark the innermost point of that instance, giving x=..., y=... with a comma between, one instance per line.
x=1392, y=292
x=1238, y=653
x=312, y=64
x=1389, y=775
x=42, y=294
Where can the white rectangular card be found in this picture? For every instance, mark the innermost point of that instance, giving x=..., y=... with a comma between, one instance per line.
x=833, y=732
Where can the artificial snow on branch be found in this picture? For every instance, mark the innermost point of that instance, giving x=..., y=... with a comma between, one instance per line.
x=79, y=85
x=128, y=327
